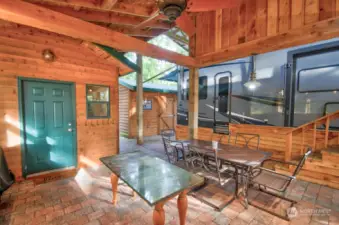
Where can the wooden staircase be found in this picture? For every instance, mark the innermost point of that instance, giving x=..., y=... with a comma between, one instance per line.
x=311, y=130
x=322, y=166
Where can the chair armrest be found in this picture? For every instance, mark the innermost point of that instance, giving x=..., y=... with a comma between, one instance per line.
x=279, y=161
x=280, y=174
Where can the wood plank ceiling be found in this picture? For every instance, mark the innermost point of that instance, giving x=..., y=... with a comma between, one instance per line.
x=137, y=18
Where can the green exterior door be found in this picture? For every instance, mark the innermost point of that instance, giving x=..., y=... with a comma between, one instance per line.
x=49, y=122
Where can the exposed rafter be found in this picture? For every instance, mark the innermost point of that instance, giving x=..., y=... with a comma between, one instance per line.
x=108, y=4
x=136, y=33
x=153, y=19
x=106, y=17
x=35, y=16
x=120, y=7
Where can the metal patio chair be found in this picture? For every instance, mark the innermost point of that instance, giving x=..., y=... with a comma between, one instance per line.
x=168, y=133
x=247, y=137
x=276, y=184
x=170, y=150
x=196, y=162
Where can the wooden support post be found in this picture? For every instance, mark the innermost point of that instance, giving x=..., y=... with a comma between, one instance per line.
x=288, y=153
x=327, y=131
x=314, y=136
x=193, y=103
x=140, y=104
x=193, y=109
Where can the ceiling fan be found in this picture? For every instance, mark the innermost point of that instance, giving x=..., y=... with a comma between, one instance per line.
x=176, y=10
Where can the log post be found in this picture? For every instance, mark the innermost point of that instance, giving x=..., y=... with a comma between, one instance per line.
x=193, y=109
x=140, y=103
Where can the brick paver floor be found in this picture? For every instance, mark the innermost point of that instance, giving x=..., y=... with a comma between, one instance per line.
x=86, y=199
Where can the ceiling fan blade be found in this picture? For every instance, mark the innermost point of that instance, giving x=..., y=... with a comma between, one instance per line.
x=210, y=5
x=186, y=24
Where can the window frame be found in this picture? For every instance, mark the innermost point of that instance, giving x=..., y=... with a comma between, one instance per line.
x=315, y=90
x=108, y=103
x=187, y=88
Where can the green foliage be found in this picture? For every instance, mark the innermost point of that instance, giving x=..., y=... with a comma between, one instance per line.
x=152, y=67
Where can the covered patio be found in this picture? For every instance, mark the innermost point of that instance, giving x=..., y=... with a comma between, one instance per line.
x=86, y=199
x=60, y=63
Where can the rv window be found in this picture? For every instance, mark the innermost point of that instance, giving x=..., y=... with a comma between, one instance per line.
x=202, y=88
x=309, y=79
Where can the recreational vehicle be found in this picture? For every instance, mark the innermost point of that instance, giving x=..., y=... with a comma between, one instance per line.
x=283, y=88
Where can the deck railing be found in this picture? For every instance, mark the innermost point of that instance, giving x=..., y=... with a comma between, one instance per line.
x=325, y=120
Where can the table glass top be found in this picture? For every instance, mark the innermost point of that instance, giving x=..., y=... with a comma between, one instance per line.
x=152, y=178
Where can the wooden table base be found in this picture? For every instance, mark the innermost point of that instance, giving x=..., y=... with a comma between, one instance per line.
x=114, y=182
x=158, y=212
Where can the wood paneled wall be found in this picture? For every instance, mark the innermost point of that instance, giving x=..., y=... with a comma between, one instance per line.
x=20, y=56
x=255, y=19
x=156, y=119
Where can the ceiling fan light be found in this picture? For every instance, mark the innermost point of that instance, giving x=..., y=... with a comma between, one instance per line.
x=172, y=8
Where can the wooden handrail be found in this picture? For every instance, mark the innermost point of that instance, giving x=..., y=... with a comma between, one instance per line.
x=309, y=126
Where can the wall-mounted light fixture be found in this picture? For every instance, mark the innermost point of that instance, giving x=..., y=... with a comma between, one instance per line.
x=48, y=55
x=252, y=83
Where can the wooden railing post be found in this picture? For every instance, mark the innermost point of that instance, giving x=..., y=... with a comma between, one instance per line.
x=302, y=141
x=288, y=153
x=327, y=131
x=314, y=136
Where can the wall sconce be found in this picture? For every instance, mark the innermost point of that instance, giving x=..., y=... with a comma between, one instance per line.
x=48, y=55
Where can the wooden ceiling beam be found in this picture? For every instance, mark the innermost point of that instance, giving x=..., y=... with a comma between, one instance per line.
x=119, y=7
x=105, y=17
x=153, y=19
x=108, y=4
x=137, y=33
x=32, y=15
x=322, y=30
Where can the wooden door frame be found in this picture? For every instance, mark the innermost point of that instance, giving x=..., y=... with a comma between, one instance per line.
x=21, y=118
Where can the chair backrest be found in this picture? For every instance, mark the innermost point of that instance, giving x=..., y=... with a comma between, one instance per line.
x=169, y=150
x=168, y=133
x=224, y=135
x=247, y=137
x=302, y=162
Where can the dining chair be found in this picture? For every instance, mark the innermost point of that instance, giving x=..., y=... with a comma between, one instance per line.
x=168, y=133
x=223, y=136
x=276, y=184
x=247, y=137
x=170, y=150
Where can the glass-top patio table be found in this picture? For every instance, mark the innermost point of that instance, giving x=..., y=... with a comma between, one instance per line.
x=154, y=180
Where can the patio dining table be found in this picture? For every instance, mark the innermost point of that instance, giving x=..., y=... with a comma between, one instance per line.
x=154, y=180
x=241, y=158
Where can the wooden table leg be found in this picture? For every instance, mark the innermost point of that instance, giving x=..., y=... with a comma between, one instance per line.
x=114, y=182
x=182, y=207
x=159, y=214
